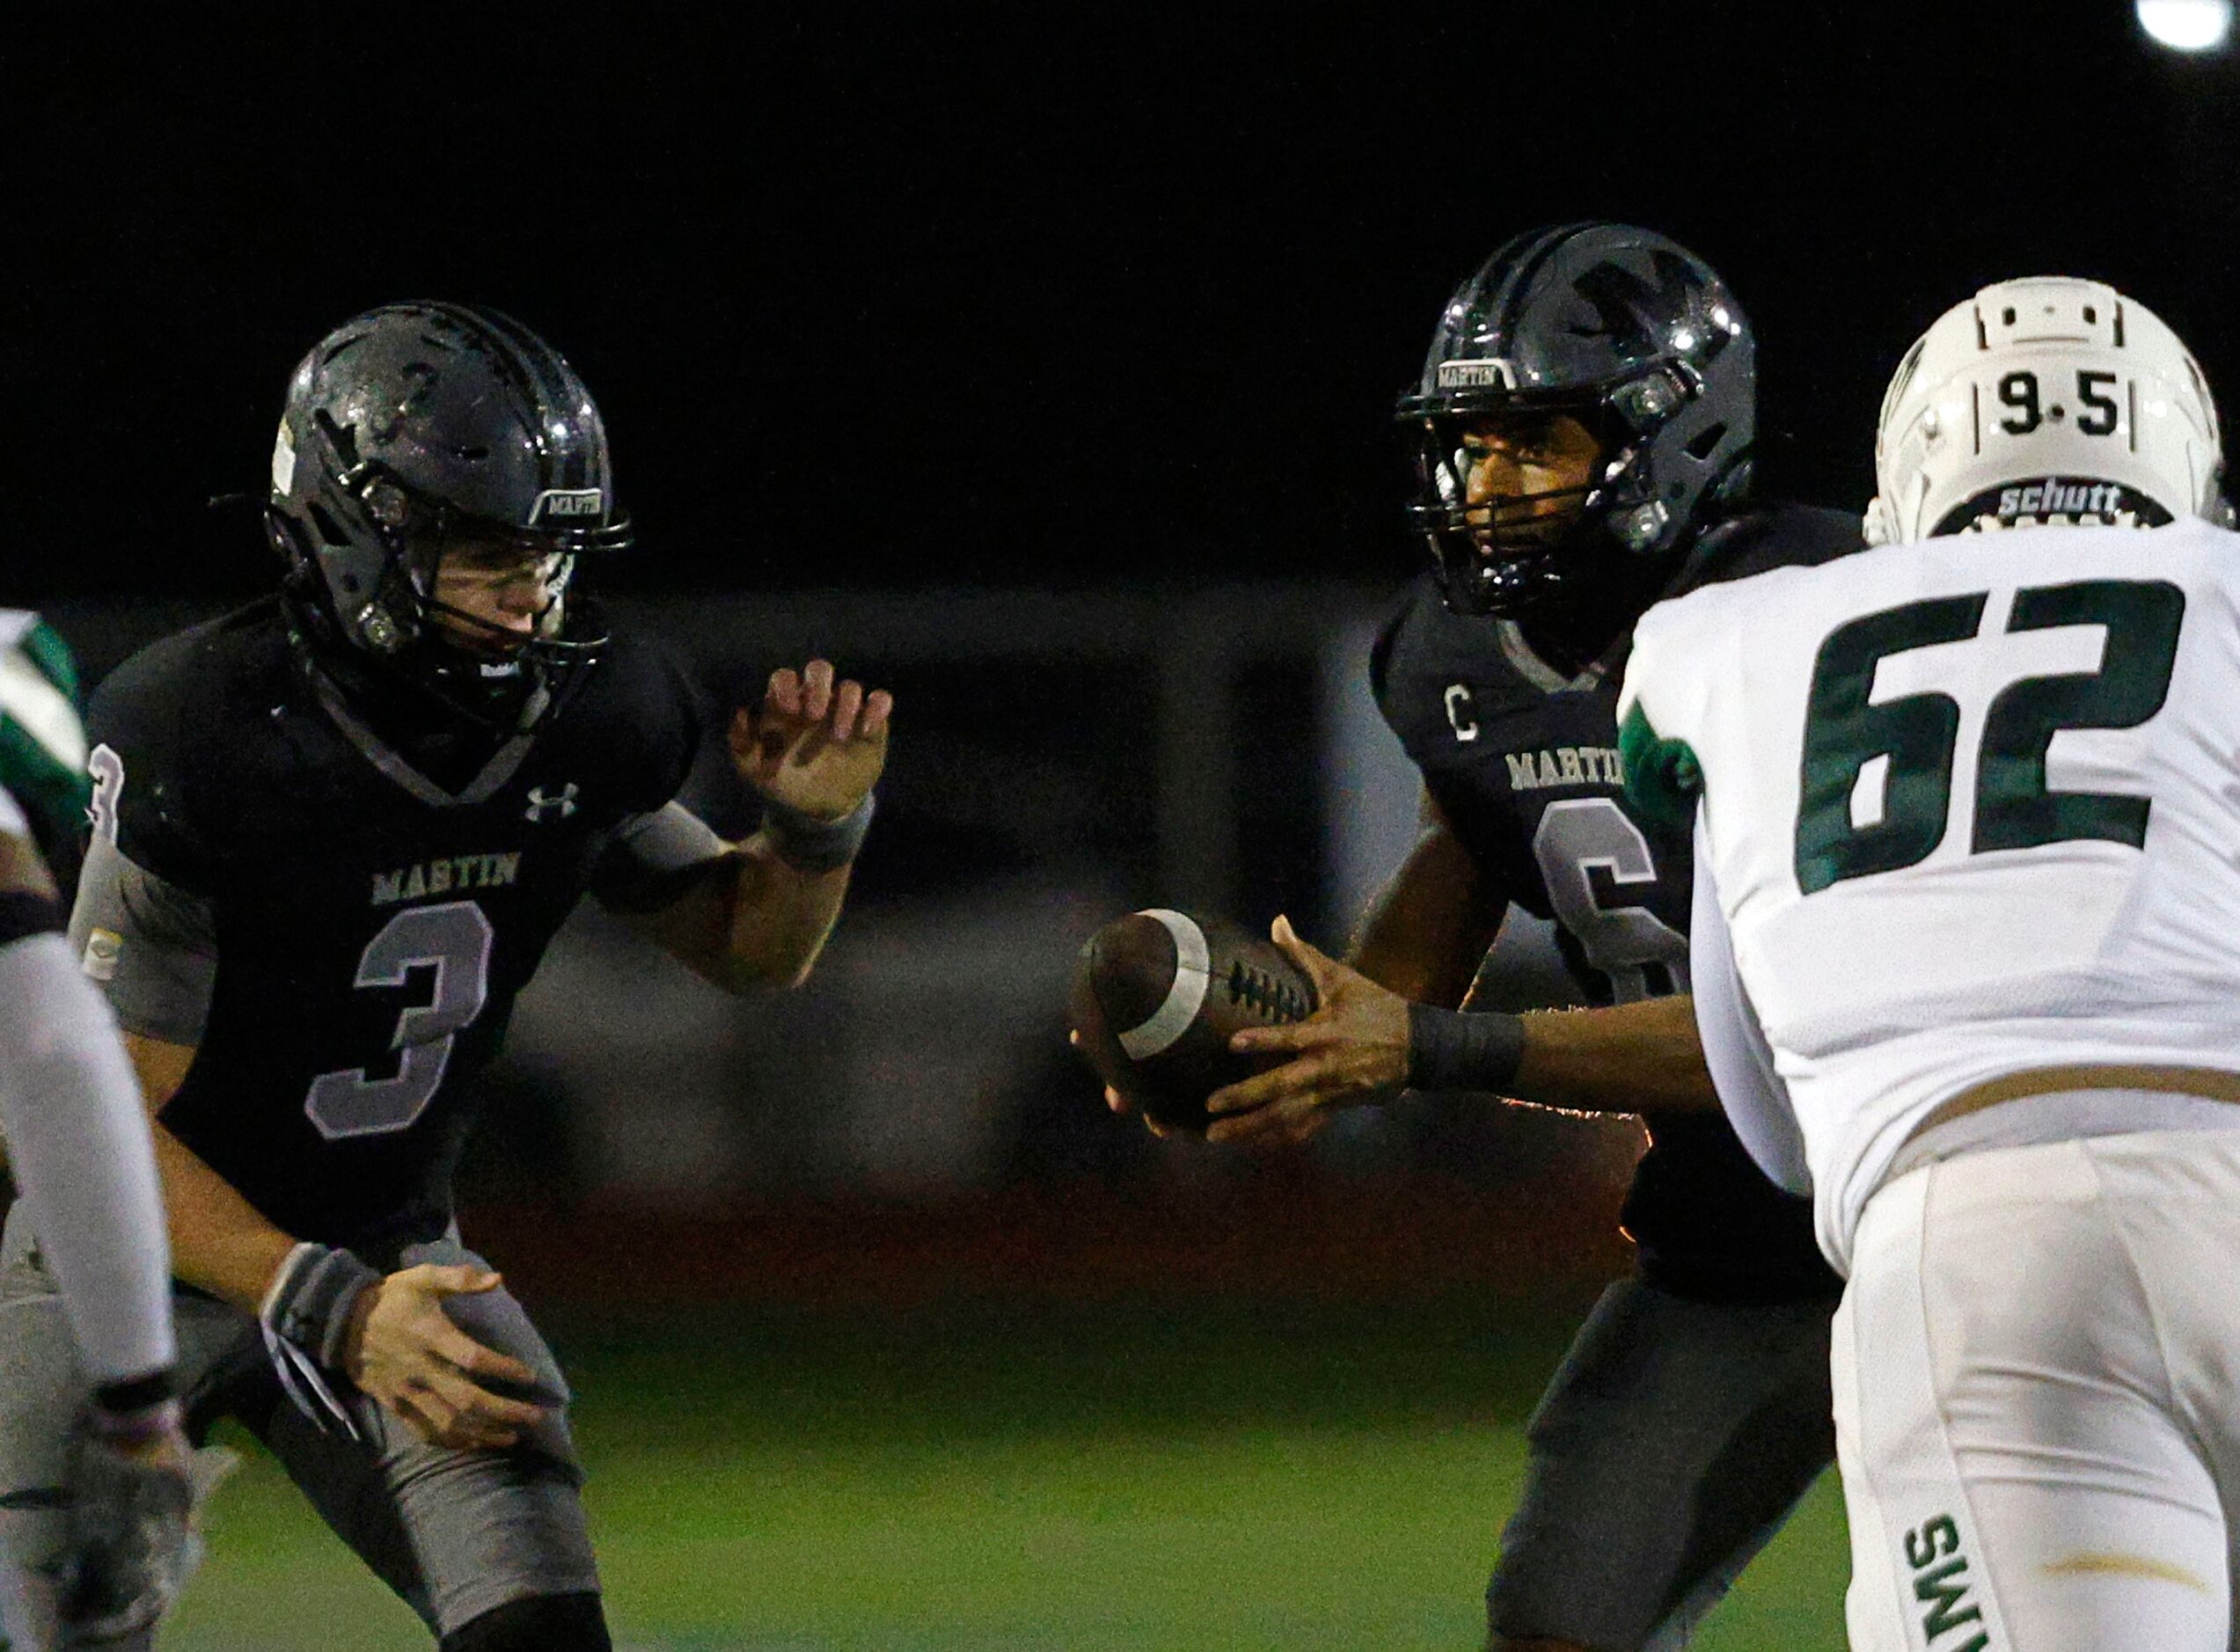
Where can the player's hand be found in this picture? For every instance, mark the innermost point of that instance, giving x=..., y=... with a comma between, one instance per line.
x=403, y=1349
x=130, y=1544
x=1352, y=1050
x=813, y=744
x=1117, y=1102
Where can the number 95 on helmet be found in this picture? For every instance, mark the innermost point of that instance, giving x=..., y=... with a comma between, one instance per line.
x=2046, y=400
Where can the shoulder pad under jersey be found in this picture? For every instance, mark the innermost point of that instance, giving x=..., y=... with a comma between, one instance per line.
x=1772, y=536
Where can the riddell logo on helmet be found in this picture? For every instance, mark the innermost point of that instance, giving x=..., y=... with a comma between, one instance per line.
x=566, y=502
x=1487, y=373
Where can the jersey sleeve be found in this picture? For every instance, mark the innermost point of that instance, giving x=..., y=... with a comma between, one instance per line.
x=42, y=742
x=1380, y=658
x=151, y=945
x=78, y=1141
x=1751, y=1091
x=144, y=924
x=650, y=714
x=141, y=724
x=1663, y=777
x=654, y=857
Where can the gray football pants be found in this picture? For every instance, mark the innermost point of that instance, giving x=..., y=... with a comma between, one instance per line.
x=1673, y=1441
x=455, y=1533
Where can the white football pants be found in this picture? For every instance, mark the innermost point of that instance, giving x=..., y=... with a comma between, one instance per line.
x=2037, y=1374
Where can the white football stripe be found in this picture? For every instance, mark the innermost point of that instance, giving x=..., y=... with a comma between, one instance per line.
x=1184, y=996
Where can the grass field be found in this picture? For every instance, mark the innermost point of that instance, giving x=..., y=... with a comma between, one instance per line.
x=1125, y=1477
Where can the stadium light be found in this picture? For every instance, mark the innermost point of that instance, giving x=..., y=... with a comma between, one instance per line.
x=2187, y=26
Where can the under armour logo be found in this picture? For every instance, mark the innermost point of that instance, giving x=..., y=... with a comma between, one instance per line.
x=565, y=802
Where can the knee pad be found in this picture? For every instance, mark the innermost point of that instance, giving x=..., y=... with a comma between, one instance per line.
x=537, y=1623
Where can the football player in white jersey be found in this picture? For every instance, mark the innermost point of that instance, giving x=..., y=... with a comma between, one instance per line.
x=1966, y=945
x=78, y=1143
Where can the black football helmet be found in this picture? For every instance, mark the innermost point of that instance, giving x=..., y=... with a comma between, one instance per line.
x=406, y=431
x=1625, y=330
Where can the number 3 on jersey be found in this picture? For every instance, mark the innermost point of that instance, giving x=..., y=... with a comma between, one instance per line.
x=454, y=939
x=1624, y=942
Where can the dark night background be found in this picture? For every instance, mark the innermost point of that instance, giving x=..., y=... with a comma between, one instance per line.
x=1036, y=360
x=908, y=298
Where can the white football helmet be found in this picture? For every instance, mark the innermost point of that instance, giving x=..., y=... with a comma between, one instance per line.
x=2045, y=400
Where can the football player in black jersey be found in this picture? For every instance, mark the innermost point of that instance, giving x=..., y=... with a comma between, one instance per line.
x=1582, y=435
x=333, y=835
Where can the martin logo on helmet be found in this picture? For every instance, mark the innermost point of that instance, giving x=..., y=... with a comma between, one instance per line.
x=562, y=503
x=1487, y=373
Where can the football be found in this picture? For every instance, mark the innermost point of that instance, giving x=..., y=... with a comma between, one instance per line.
x=1156, y=995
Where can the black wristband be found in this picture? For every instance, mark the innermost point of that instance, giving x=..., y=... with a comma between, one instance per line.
x=809, y=844
x=137, y=1394
x=1447, y=1050
x=23, y=915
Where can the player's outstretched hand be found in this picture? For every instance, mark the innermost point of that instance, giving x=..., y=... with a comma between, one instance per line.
x=813, y=744
x=1353, y=1050
x=403, y=1351
x=130, y=1544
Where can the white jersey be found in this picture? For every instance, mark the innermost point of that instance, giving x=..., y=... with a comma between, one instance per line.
x=17, y=686
x=1970, y=807
x=70, y=1104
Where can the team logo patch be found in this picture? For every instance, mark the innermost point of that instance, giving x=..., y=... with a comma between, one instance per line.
x=1489, y=372
x=561, y=802
x=567, y=504
x=2054, y=501
x=102, y=948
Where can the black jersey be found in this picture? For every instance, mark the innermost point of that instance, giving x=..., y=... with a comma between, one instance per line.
x=1523, y=763
x=370, y=930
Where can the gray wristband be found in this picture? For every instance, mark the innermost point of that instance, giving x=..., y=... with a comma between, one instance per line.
x=809, y=844
x=305, y=1318
x=310, y=1302
x=1447, y=1050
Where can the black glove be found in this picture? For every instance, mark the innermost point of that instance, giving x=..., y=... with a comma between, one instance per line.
x=129, y=1544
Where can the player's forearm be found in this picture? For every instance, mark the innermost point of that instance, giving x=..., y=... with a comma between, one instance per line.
x=1625, y=1058
x=1429, y=927
x=781, y=916
x=1640, y=1057
x=219, y=1241
x=71, y=1111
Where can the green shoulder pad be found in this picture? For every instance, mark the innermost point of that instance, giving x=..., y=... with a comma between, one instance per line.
x=42, y=743
x=1663, y=777
x=43, y=646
